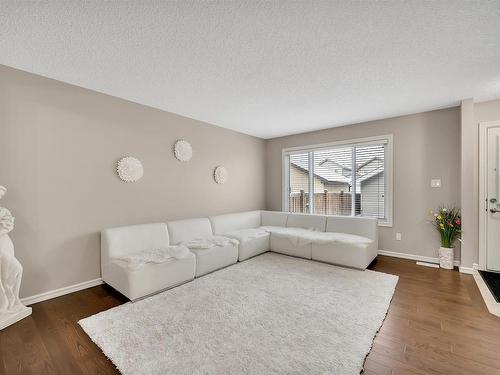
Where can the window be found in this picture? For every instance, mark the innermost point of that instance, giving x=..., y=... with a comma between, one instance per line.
x=352, y=178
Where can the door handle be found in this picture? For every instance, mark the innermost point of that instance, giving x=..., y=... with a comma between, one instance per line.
x=494, y=210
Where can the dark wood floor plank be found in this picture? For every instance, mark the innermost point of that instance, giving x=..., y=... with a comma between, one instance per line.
x=395, y=366
x=437, y=324
x=12, y=345
x=47, y=324
x=82, y=350
x=27, y=352
x=373, y=367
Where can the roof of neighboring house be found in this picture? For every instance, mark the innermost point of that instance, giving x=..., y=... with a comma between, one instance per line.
x=370, y=169
x=330, y=171
x=324, y=173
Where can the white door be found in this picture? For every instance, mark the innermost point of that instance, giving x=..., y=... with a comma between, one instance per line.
x=493, y=199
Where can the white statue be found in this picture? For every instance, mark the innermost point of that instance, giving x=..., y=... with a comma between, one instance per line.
x=11, y=272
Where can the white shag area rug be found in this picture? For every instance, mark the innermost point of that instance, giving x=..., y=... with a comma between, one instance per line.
x=267, y=315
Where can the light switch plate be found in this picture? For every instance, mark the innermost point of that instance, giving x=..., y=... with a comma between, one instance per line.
x=398, y=236
x=436, y=183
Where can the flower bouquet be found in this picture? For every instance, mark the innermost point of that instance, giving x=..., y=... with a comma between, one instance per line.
x=449, y=225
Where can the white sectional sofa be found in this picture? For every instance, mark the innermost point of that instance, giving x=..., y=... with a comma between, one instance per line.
x=220, y=241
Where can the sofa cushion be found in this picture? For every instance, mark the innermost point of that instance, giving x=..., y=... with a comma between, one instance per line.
x=316, y=222
x=209, y=242
x=350, y=252
x=230, y=222
x=149, y=278
x=185, y=230
x=253, y=241
x=247, y=234
x=214, y=258
x=162, y=255
x=274, y=218
x=291, y=241
x=297, y=236
x=344, y=238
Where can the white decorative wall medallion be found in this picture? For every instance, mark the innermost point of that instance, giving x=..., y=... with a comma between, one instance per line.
x=183, y=150
x=129, y=169
x=221, y=175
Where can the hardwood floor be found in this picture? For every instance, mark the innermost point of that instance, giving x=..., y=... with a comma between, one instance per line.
x=437, y=324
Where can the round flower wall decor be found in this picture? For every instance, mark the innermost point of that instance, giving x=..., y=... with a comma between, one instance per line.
x=129, y=169
x=221, y=175
x=183, y=150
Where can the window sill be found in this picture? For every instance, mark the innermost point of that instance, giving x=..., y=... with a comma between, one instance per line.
x=385, y=223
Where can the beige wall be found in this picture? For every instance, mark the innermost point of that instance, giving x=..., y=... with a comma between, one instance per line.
x=487, y=111
x=59, y=145
x=426, y=146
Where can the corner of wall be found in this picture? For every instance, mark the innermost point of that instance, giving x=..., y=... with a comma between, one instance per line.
x=469, y=186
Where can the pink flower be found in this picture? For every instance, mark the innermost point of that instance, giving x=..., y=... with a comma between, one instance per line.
x=458, y=222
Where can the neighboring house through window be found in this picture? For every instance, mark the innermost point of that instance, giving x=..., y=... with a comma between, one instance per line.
x=320, y=179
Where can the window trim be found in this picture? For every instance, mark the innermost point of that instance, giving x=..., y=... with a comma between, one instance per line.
x=388, y=139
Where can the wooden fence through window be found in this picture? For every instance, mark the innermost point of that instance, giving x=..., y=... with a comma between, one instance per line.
x=325, y=203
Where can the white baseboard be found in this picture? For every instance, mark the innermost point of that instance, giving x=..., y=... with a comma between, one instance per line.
x=468, y=270
x=425, y=264
x=419, y=258
x=60, y=292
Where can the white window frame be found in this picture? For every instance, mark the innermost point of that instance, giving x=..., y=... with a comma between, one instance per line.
x=388, y=170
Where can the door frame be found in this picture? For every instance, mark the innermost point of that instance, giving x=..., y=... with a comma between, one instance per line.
x=483, y=178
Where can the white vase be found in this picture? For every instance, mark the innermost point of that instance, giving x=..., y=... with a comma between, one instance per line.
x=446, y=257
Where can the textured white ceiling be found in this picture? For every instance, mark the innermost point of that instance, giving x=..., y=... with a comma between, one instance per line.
x=267, y=68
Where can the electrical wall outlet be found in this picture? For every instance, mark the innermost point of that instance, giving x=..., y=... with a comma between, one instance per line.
x=398, y=236
x=436, y=183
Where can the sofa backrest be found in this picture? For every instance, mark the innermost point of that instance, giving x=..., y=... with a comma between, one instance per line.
x=133, y=238
x=274, y=218
x=316, y=222
x=190, y=229
x=242, y=220
x=361, y=226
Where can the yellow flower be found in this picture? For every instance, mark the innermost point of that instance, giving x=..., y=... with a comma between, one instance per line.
x=439, y=217
x=442, y=226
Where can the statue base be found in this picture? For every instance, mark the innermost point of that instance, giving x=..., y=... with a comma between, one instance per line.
x=11, y=317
